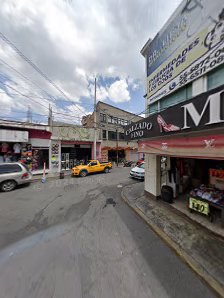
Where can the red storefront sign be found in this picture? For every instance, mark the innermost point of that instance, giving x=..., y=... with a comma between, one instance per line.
x=211, y=146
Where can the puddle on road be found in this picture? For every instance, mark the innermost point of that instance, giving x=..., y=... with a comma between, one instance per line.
x=110, y=201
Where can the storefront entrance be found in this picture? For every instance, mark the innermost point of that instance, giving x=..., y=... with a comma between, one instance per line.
x=112, y=155
x=71, y=154
x=197, y=185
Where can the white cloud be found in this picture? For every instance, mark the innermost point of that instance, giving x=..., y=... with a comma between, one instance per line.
x=118, y=91
x=72, y=43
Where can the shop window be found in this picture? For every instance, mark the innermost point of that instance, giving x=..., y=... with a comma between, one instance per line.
x=216, y=77
x=153, y=108
x=121, y=136
x=104, y=134
x=4, y=169
x=103, y=118
x=112, y=135
x=180, y=95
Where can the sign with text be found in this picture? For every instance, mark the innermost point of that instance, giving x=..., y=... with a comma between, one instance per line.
x=199, y=206
x=190, y=45
x=199, y=113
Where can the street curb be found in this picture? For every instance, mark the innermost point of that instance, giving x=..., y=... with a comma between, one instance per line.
x=213, y=284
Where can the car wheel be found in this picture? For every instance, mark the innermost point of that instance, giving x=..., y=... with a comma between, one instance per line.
x=8, y=185
x=106, y=170
x=83, y=174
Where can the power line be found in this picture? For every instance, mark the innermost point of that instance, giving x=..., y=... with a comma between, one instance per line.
x=34, y=66
x=23, y=76
x=34, y=124
x=63, y=114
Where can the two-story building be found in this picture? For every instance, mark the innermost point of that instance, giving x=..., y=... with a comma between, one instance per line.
x=111, y=122
x=183, y=136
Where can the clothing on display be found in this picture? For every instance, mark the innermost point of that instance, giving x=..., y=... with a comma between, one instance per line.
x=17, y=148
x=209, y=194
x=5, y=147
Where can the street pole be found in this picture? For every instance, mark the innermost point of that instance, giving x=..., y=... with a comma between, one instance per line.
x=117, y=145
x=94, y=145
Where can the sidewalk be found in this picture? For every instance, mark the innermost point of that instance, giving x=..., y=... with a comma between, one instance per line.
x=199, y=248
x=38, y=177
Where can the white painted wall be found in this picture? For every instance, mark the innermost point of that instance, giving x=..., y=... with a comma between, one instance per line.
x=199, y=86
x=152, y=174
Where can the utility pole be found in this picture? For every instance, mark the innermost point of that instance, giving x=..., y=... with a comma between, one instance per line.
x=117, y=145
x=94, y=145
x=29, y=114
x=50, y=118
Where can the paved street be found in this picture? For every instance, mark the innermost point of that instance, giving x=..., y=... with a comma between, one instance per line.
x=77, y=238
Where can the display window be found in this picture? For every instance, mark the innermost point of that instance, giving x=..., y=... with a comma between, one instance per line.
x=12, y=152
x=39, y=157
x=197, y=183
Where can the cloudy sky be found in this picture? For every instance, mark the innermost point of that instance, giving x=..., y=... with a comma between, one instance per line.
x=51, y=51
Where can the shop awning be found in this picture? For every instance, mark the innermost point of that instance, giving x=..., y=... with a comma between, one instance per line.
x=211, y=146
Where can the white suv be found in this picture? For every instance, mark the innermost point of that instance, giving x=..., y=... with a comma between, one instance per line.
x=13, y=174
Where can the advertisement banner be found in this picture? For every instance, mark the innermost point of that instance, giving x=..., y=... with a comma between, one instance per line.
x=203, y=112
x=190, y=45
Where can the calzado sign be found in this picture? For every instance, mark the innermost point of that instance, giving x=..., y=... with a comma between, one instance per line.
x=202, y=112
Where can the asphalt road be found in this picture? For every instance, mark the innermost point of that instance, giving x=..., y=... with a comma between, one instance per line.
x=77, y=238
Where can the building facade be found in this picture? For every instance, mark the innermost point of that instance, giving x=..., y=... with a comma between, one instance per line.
x=111, y=122
x=183, y=136
x=25, y=142
x=72, y=143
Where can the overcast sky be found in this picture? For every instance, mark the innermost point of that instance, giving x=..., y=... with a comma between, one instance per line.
x=71, y=42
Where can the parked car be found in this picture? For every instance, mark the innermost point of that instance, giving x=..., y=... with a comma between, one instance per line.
x=94, y=166
x=13, y=174
x=138, y=172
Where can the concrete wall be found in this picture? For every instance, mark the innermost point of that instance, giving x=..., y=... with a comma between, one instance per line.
x=152, y=174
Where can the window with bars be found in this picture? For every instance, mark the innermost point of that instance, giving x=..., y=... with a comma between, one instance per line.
x=104, y=134
x=103, y=118
x=121, y=136
x=112, y=135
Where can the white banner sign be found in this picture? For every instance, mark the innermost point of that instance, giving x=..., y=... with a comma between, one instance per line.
x=190, y=45
x=13, y=136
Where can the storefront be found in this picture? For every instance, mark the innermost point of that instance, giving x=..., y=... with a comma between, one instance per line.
x=26, y=145
x=73, y=152
x=124, y=153
x=71, y=145
x=184, y=151
x=14, y=145
x=40, y=142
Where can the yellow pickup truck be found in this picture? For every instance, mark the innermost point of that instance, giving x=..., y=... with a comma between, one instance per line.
x=94, y=166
